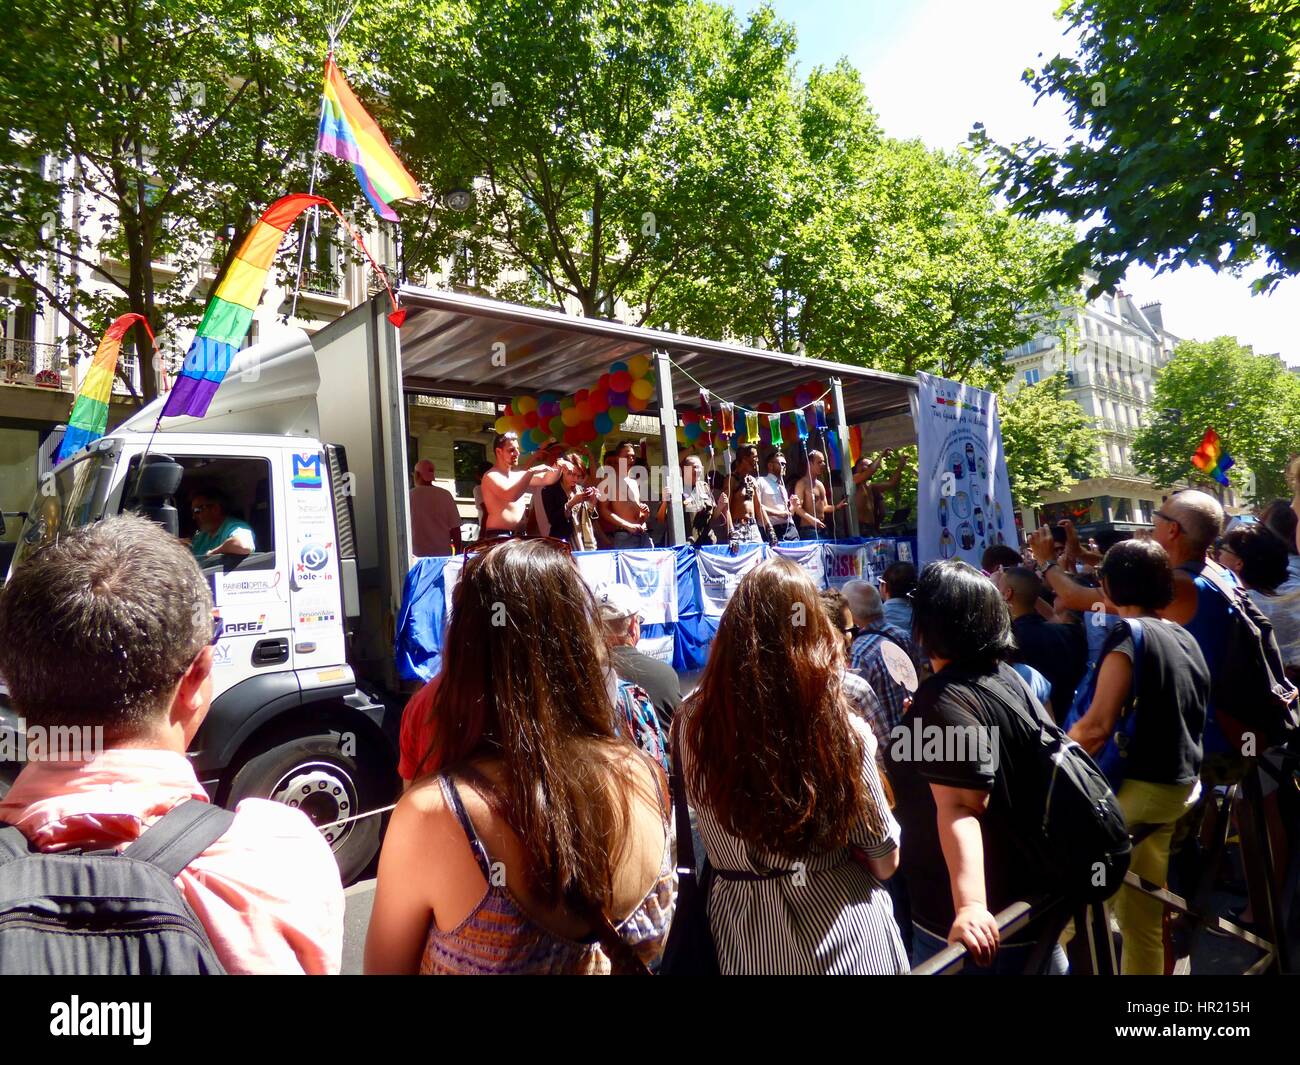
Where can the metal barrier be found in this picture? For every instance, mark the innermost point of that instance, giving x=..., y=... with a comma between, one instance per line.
x=1092, y=946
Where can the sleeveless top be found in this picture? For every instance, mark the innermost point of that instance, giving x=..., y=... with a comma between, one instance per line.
x=498, y=937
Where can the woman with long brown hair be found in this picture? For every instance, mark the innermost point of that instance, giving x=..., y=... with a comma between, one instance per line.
x=783, y=779
x=539, y=840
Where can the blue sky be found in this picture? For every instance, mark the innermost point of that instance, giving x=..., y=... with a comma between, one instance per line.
x=932, y=68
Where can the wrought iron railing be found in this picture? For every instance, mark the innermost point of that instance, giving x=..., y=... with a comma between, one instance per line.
x=31, y=362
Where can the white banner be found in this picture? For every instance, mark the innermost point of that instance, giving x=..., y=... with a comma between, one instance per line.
x=881, y=554
x=660, y=647
x=450, y=575
x=808, y=554
x=654, y=575
x=597, y=567
x=845, y=562
x=963, y=495
x=720, y=573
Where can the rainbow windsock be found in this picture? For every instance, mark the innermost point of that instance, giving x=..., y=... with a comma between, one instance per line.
x=348, y=132
x=855, y=443
x=230, y=311
x=89, y=418
x=1211, y=458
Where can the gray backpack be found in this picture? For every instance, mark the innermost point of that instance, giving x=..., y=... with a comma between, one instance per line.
x=91, y=913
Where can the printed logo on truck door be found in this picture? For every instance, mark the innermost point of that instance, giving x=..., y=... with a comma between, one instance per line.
x=240, y=628
x=313, y=563
x=306, y=471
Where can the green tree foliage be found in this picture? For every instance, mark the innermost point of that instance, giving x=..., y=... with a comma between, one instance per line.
x=885, y=253
x=1048, y=440
x=140, y=131
x=609, y=146
x=1251, y=401
x=665, y=157
x=1186, y=145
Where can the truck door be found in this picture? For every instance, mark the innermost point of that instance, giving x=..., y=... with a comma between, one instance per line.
x=315, y=589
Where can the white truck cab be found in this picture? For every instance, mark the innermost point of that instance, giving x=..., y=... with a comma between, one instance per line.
x=291, y=719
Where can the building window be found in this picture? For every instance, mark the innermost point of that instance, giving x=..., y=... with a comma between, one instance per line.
x=1033, y=376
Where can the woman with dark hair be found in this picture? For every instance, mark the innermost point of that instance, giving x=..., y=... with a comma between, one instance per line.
x=539, y=840
x=1279, y=519
x=957, y=764
x=1162, y=751
x=570, y=503
x=1264, y=565
x=783, y=779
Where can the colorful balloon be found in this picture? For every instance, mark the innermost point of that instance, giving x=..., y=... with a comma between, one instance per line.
x=604, y=423
x=618, y=414
x=638, y=365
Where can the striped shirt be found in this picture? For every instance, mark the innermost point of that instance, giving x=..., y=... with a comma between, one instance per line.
x=831, y=916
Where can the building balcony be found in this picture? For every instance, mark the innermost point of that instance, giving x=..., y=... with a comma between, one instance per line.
x=30, y=362
x=323, y=283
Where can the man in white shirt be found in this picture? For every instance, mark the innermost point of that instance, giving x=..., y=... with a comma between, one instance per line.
x=435, y=518
x=774, y=497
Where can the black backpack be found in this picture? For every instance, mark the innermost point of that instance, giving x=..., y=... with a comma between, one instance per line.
x=91, y=913
x=1250, y=685
x=1071, y=820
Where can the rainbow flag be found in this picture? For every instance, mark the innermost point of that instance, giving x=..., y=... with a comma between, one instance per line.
x=230, y=311
x=348, y=132
x=1211, y=458
x=89, y=418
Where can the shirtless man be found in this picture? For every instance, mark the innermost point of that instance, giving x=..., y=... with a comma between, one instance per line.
x=871, y=505
x=504, y=488
x=811, y=493
x=747, y=520
x=619, y=503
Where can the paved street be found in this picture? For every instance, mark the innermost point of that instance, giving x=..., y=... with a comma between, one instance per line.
x=360, y=897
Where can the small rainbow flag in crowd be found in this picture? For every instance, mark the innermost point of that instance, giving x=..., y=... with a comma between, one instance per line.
x=89, y=418
x=1211, y=458
x=348, y=132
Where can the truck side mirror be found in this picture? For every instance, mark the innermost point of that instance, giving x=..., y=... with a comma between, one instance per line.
x=160, y=478
x=151, y=497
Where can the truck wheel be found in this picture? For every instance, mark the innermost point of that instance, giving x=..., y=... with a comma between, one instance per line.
x=313, y=775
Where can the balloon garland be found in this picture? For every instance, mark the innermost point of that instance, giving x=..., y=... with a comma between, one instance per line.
x=586, y=416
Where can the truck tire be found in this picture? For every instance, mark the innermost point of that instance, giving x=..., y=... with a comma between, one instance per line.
x=313, y=774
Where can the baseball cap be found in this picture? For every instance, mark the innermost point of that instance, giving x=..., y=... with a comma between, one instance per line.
x=618, y=601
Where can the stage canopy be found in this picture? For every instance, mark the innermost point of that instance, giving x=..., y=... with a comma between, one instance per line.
x=449, y=342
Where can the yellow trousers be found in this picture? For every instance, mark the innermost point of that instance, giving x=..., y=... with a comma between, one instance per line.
x=1141, y=917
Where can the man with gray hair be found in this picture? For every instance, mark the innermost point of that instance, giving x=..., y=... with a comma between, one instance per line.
x=621, y=608
x=109, y=628
x=1186, y=526
x=883, y=656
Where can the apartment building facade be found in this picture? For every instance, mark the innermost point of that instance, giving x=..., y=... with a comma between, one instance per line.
x=1110, y=350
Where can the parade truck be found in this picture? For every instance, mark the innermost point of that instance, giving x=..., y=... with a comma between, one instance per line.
x=306, y=442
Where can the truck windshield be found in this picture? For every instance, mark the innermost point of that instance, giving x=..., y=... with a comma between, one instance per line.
x=70, y=498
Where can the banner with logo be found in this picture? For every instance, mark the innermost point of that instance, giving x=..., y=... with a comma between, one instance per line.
x=845, y=562
x=881, y=554
x=719, y=572
x=963, y=494
x=809, y=554
x=653, y=574
x=660, y=647
x=597, y=567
